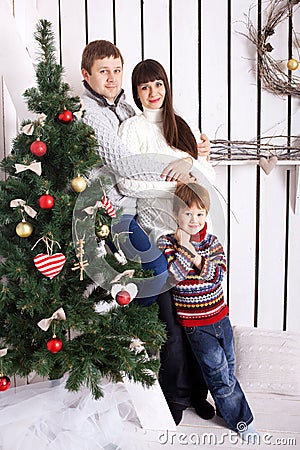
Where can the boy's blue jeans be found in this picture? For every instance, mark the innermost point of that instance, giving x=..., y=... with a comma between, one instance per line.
x=213, y=347
x=138, y=244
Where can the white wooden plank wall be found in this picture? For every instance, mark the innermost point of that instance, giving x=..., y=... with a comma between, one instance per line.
x=211, y=68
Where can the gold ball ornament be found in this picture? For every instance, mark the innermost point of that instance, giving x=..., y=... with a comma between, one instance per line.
x=78, y=184
x=292, y=64
x=24, y=229
x=103, y=232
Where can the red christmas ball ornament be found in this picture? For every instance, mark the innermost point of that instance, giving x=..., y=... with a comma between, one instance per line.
x=4, y=383
x=54, y=345
x=46, y=201
x=66, y=116
x=38, y=148
x=123, y=297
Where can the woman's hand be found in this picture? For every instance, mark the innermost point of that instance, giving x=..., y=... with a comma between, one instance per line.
x=179, y=170
x=204, y=147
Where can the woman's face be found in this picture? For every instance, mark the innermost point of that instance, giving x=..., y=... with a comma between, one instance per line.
x=152, y=94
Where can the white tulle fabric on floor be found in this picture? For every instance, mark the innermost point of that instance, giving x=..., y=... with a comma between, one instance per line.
x=45, y=415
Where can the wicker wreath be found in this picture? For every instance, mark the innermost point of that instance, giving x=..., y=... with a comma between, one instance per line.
x=270, y=71
x=275, y=78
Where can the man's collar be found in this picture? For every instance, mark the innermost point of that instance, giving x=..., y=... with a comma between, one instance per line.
x=101, y=97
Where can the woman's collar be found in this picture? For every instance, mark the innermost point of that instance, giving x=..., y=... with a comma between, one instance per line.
x=153, y=115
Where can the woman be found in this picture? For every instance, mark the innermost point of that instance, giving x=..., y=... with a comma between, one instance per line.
x=160, y=134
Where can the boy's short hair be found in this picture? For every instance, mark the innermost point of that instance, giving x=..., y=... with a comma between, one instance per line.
x=99, y=49
x=187, y=194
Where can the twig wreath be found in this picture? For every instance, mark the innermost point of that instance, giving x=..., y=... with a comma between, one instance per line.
x=272, y=72
x=276, y=77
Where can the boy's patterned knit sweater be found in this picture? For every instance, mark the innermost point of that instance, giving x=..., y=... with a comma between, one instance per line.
x=198, y=294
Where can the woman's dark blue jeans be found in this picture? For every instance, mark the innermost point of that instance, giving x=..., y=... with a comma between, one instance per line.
x=137, y=246
x=180, y=376
x=213, y=347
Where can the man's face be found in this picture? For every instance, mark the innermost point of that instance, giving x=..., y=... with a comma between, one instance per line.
x=105, y=77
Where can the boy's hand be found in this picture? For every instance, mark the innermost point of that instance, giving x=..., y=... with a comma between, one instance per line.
x=183, y=238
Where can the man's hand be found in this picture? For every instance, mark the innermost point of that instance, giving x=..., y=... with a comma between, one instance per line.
x=204, y=147
x=179, y=170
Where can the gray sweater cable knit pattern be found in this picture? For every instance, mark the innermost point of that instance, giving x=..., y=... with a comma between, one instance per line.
x=118, y=159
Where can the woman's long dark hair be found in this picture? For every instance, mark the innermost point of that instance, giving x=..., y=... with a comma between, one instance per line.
x=176, y=131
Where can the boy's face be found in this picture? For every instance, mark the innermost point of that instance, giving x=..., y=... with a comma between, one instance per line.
x=106, y=77
x=191, y=220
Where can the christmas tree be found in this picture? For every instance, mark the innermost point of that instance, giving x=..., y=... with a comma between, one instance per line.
x=50, y=324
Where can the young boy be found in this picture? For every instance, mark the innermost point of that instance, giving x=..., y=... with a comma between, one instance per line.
x=197, y=263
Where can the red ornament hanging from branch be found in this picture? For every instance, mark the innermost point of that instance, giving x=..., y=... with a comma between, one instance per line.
x=46, y=201
x=4, y=380
x=38, y=148
x=123, y=293
x=54, y=345
x=66, y=116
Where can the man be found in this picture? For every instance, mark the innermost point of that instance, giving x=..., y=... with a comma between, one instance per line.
x=105, y=108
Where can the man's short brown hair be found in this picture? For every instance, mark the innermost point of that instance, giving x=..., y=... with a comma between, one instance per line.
x=98, y=50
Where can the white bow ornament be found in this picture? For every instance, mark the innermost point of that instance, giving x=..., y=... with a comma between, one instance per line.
x=19, y=202
x=44, y=324
x=136, y=345
x=91, y=209
x=29, y=128
x=35, y=166
x=3, y=352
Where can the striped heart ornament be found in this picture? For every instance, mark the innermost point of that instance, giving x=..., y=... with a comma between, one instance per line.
x=49, y=265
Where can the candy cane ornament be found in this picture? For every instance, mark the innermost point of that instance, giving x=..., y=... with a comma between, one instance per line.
x=108, y=206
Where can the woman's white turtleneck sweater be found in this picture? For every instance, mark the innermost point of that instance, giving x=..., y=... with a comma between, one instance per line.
x=143, y=135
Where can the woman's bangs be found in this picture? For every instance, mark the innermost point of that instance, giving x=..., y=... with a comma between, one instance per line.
x=148, y=73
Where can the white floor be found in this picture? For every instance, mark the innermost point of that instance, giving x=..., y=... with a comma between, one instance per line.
x=277, y=419
x=45, y=416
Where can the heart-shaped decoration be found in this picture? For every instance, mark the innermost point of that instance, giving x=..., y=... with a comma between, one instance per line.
x=130, y=288
x=268, y=165
x=49, y=265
